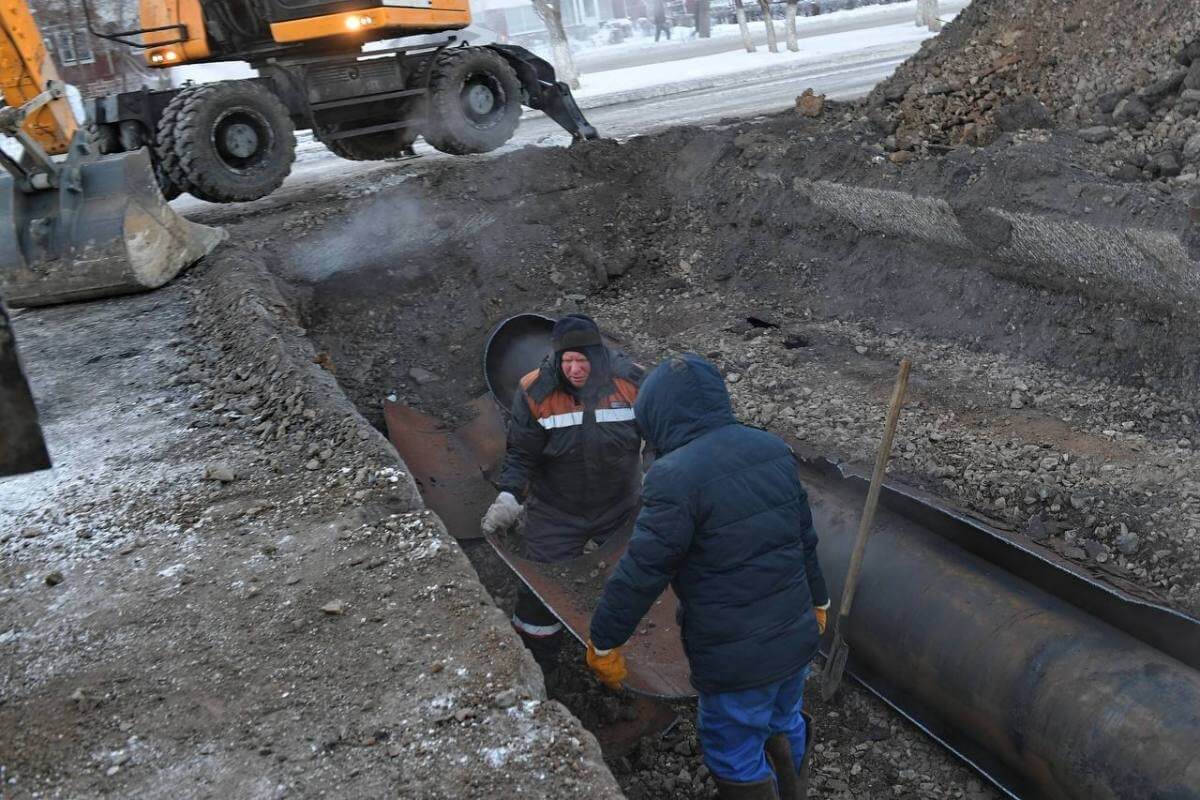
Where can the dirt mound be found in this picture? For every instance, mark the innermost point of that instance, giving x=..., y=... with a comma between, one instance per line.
x=1120, y=71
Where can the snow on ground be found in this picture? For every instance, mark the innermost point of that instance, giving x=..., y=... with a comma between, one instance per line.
x=680, y=35
x=734, y=62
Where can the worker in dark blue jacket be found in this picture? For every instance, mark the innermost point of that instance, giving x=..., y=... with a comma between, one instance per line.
x=727, y=523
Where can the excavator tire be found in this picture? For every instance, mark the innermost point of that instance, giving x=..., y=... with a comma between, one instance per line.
x=172, y=181
x=374, y=146
x=234, y=140
x=474, y=101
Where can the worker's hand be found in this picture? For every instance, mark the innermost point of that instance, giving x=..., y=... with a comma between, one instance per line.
x=503, y=513
x=822, y=613
x=609, y=666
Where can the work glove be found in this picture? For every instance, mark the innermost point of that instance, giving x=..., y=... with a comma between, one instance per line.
x=503, y=513
x=609, y=666
x=822, y=613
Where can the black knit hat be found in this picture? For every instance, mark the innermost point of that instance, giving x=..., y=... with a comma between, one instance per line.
x=579, y=333
x=575, y=332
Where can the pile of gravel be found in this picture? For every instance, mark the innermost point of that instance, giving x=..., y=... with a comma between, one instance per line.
x=1124, y=73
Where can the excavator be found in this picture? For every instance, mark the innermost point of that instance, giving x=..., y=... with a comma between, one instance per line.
x=234, y=141
x=83, y=208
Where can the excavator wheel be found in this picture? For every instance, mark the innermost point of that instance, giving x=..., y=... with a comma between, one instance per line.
x=374, y=146
x=166, y=162
x=126, y=137
x=234, y=141
x=474, y=101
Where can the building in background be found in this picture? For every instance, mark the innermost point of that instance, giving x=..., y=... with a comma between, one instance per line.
x=93, y=65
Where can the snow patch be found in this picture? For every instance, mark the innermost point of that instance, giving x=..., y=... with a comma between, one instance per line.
x=496, y=757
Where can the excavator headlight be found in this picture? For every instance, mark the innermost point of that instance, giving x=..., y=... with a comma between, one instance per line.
x=356, y=21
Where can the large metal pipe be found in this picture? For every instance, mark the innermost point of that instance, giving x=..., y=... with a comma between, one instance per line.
x=1048, y=700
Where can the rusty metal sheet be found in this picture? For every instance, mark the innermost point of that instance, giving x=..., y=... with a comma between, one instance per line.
x=571, y=589
x=450, y=468
x=451, y=479
x=649, y=718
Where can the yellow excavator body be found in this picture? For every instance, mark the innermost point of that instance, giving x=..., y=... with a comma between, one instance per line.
x=443, y=15
x=173, y=32
x=25, y=69
x=75, y=224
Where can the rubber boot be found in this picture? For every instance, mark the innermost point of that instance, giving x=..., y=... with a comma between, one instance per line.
x=793, y=784
x=779, y=756
x=758, y=790
x=806, y=762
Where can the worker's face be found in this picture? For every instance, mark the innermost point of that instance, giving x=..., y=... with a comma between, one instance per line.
x=576, y=368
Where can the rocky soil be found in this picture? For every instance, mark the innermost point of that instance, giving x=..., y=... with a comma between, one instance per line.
x=1122, y=74
x=1066, y=417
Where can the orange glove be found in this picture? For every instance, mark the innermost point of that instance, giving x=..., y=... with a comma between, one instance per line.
x=822, y=613
x=609, y=666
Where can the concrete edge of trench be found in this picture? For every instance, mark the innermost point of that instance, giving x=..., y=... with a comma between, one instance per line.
x=237, y=291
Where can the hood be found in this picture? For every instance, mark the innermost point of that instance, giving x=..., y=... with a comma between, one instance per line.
x=682, y=399
x=581, y=334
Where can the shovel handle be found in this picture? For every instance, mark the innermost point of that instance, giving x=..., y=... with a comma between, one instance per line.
x=868, y=517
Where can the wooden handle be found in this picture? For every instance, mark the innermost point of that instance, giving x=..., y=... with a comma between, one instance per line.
x=868, y=517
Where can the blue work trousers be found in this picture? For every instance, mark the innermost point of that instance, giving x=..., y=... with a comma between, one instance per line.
x=735, y=726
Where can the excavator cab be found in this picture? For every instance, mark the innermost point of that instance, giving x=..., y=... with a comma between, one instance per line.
x=74, y=225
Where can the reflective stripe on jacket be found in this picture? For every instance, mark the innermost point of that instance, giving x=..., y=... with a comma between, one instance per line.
x=575, y=452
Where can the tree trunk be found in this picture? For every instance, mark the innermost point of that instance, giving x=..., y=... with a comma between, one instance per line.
x=741, y=18
x=927, y=15
x=703, y=19
x=564, y=63
x=769, y=21
x=792, y=43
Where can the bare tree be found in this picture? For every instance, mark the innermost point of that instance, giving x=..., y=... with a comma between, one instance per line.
x=927, y=15
x=769, y=21
x=550, y=12
x=740, y=10
x=703, y=19
x=792, y=43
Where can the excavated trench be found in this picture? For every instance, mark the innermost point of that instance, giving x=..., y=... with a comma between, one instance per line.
x=713, y=239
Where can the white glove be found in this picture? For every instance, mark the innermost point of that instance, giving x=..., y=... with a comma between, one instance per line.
x=503, y=513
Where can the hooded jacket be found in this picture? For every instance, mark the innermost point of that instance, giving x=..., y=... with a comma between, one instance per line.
x=727, y=523
x=578, y=451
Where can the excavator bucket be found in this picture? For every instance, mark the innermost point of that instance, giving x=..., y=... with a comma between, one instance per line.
x=104, y=230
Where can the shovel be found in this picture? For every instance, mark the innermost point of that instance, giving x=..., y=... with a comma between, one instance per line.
x=835, y=664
